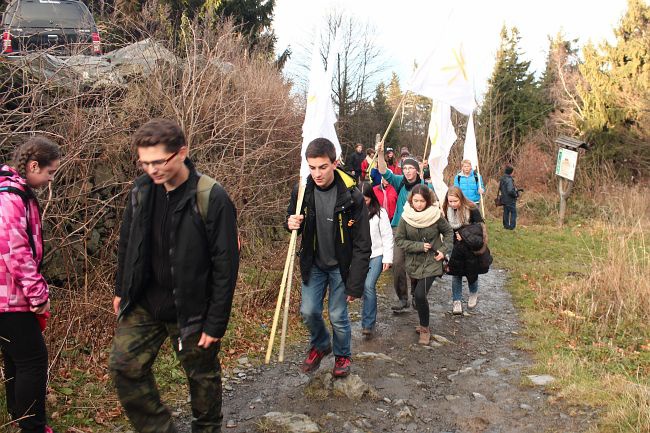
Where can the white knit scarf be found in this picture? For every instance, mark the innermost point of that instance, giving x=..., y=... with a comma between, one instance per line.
x=420, y=219
x=453, y=218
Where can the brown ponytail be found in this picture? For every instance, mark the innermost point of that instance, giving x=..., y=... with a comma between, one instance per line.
x=37, y=148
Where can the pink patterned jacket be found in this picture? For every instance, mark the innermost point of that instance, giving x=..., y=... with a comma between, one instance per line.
x=21, y=283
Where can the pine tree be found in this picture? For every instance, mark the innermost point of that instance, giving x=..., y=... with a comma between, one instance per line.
x=514, y=103
x=394, y=95
x=383, y=113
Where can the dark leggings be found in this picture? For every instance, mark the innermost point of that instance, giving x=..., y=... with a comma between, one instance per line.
x=422, y=287
x=25, y=369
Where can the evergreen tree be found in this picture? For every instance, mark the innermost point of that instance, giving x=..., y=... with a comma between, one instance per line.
x=514, y=103
x=253, y=17
x=383, y=114
x=394, y=95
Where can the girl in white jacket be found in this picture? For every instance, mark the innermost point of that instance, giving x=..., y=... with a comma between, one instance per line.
x=381, y=257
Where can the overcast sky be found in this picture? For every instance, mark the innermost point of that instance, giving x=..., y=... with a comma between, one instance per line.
x=407, y=29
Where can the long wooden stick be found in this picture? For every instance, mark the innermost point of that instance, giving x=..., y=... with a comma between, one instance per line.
x=390, y=125
x=278, y=303
x=287, y=306
x=424, y=157
x=478, y=172
x=289, y=282
x=383, y=139
x=287, y=264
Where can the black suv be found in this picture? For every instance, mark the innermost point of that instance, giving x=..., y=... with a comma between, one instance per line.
x=62, y=26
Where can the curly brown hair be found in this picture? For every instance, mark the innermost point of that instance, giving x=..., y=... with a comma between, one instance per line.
x=37, y=148
x=159, y=131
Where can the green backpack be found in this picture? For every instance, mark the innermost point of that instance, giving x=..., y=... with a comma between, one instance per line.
x=203, y=188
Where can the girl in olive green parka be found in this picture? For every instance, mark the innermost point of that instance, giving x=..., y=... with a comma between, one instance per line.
x=426, y=239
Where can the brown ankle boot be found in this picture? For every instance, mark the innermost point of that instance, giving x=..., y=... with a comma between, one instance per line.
x=425, y=335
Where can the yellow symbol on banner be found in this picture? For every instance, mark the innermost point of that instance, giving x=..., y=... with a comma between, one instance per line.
x=459, y=66
x=434, y=137
x=311, y=99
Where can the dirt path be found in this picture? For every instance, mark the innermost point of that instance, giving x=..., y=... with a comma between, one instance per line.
x=475, y=382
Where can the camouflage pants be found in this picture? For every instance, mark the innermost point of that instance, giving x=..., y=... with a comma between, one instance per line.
x=138, y=339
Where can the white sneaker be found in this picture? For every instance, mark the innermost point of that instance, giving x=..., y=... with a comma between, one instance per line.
x=458, y=307
x=473, y=300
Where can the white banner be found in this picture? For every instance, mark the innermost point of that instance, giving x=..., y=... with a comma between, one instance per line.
x=444, y=76
x=442, y=136
x=320, y=116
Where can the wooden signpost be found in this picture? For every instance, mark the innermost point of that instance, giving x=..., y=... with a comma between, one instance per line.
x=565, y=169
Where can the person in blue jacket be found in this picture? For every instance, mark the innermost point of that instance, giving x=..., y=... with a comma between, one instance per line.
x=469, y=182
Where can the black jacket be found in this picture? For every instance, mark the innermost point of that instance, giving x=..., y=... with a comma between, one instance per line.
x=352, y=237
x=471, y=255
x=508, y=190
x=354, y=162
x=204, y=257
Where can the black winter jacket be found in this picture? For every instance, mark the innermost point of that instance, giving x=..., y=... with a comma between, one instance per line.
x=354, y=162
x=471, y=255
x=352, y=237
x=204, y=257
x=508, y=190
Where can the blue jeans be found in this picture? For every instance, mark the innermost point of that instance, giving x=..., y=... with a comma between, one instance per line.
x=311, y=309
x=510, y=216
x=457, y=287
x=369, y=312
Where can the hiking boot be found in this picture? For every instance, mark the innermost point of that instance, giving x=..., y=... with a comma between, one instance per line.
x=367, y=332
x=458, y=307
x=314, y=357
x=418, y=329
x=341, y=366
x=473, y=300
x=401, y=305
x=425, y=335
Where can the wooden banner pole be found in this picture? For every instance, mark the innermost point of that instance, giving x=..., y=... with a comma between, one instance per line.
x=287, y=264
x=383, y=139
x=289, y=282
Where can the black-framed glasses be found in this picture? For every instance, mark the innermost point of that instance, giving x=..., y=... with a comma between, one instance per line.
x=157, y=163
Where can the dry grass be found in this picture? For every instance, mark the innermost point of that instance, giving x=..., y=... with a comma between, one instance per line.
x=586, y=303
x=614, y=299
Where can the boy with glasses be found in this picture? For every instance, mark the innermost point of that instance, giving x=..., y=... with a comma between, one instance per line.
x=176, y=276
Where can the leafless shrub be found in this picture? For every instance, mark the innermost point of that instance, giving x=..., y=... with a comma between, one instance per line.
x=242, y=126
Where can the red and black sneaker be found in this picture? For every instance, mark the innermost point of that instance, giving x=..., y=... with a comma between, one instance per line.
x=342, y=366
x=314, y=357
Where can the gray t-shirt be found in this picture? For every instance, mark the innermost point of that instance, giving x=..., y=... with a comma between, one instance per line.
x=325, y=201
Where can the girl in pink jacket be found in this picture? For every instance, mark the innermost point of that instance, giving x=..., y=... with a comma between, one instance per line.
x=23, y=291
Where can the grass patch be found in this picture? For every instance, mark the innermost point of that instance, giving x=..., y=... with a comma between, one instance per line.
x=582, y=294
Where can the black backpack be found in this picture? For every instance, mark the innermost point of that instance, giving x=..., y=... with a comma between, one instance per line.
x=25, y=196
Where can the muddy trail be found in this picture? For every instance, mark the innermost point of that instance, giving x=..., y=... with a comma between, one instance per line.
x=470, y=379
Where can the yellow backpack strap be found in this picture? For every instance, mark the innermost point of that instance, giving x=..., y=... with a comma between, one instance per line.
x=203, y=189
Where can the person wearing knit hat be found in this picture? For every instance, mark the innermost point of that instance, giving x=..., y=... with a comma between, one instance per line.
x=403, y=184
x=412, y=162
